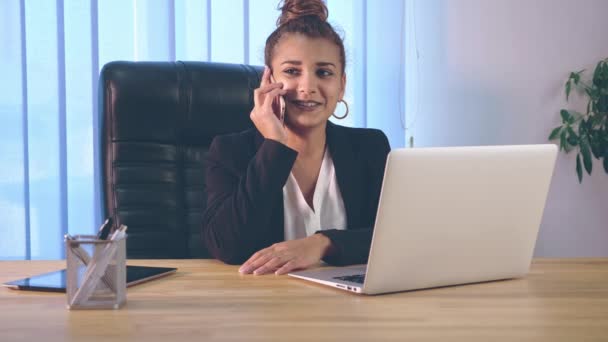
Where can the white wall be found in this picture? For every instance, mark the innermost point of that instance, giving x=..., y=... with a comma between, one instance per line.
x=492, y=72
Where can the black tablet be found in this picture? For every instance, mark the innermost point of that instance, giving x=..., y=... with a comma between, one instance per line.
x=55, y=281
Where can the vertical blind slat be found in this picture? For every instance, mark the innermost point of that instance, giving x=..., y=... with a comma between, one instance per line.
x=97, y=195
x=61, y=104
x=361, y=67
x=79, y=117
x=171, y=29
x=209, y=31
x=26, y=153
x=225, y=38
x=262, y=21
x=246, y=31
x=191, y=36
x=116, y=34
x=25, y=137
x=43, y=127
x=383, y=65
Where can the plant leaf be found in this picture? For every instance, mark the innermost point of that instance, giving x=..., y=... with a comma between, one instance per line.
x=576, y=116
x=595, y=149
x=594, y=120
x=602, y=104
x=593, y=93
x=555, y=133
x=604, y=145
x=600, y=75
x=586, y=155
x=562, y=141
x=572, y=137
x=582, y=128
x=579, y=169
x=606, y=160
x=593, y=106
x=568, y=85
x=572, y=140
x=565, y=115
x=597, y=74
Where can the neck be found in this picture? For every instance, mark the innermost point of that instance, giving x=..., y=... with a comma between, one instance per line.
x=309, y=142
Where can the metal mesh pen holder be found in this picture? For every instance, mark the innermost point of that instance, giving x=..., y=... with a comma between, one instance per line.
x=96, y=272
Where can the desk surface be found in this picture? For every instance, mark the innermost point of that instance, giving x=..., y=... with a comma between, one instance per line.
x=559, y=300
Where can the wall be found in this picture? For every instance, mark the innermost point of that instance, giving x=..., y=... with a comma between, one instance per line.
x=492, y=72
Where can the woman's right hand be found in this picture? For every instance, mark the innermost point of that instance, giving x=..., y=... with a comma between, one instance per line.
x=263, y=115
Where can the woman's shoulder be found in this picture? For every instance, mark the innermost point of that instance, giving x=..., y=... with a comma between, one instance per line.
x=237, y=147
x=235, y=139
x=244, y=143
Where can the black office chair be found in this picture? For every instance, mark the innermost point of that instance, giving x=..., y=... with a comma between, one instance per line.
x=158, y=121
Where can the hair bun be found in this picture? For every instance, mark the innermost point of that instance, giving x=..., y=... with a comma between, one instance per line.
x=294, y=9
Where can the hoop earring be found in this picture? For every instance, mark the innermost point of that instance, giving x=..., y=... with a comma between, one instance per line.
x=345, y=114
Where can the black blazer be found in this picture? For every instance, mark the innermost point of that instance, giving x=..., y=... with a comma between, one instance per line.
x=245, y=175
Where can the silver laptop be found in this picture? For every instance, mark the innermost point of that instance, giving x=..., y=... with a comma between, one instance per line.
x=450, y=216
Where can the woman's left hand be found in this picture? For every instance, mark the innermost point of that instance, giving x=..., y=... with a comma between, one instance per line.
x=287, y=256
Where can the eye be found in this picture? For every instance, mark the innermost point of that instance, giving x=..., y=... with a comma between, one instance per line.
x=291, y=71
x=324, y=73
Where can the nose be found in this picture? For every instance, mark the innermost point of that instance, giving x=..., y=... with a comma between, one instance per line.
x=307, y=83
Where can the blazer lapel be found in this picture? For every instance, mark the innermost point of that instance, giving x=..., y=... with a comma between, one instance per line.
x=277, y=219
x=348, y=172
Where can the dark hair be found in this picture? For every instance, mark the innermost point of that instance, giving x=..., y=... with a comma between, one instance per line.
x=308, y=17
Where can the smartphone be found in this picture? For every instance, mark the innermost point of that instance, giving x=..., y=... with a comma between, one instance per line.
x=281, y=103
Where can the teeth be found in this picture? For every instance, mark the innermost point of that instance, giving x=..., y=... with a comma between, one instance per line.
x=306, y=104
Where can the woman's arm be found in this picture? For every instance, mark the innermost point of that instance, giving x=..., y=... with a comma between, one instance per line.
x=241, y=194
x=236, y=222
x=351, y=246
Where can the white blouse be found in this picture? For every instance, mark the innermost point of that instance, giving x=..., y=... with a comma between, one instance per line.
x=300, y=220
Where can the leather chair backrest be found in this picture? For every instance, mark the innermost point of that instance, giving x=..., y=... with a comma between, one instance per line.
x=158, y=121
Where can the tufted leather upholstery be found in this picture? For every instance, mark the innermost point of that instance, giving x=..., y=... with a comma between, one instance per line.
x=158, y=121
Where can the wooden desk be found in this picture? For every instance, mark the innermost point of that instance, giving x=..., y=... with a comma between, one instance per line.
x=560, y=300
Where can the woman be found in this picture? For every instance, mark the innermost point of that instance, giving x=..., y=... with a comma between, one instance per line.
x=285, y=195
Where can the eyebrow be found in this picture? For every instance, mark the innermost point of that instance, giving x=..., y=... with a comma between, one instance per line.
x=318, y=63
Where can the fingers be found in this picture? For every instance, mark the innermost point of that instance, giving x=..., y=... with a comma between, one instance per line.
x=266, y=261
x=267, y=85
x=270, y=266
x=271, y=96
x=284, y=257
x=265, y=77
x=256, y=260
x=288, y=267
x=260, y=94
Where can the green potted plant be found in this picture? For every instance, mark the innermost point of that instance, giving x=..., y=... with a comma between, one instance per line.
x=587, y=133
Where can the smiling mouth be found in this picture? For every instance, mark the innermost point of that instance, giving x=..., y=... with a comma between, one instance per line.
x=306, y=105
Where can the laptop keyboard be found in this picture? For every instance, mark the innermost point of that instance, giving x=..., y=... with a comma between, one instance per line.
x=355, y=278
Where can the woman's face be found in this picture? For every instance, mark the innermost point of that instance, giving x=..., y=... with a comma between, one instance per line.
x=311, y=72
